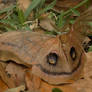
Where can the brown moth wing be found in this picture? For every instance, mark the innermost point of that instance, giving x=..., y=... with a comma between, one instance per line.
x=73, y=49
x=21, y=47
x=68, y=46
x=66, y=70
x=32, y=48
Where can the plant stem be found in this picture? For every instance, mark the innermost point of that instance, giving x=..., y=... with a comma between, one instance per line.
x=77, y=6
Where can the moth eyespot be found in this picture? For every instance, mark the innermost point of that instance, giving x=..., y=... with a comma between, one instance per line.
x=73, y=53
x=52, y=58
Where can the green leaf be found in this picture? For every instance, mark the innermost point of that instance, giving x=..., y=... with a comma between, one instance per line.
x=48, y=7
x=90, y=24
x=9, y=29
x=7, y=9
x=75, y=7
x=88, y=3
x=60, y=21
x=33, y=5
x=80, y=4
x=27, y=28
x=72, y=21
x=6, y=21
x=42, y=3
x=90, y=49
x=56, y=90
x=76, y=12
x=21, y=17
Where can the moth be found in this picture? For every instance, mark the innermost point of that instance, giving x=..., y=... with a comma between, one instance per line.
x=55, y=59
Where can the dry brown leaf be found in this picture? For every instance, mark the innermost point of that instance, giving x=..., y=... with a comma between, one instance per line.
x=2, y=16
x=85, y=42
x=16, y=72
x=5, y=4
x=66, y=4
x=8, y=1
x=46, y=23
x=48, y=88
x=0, y=1
x=1, y=6
x=3, y=86
x=85, y=85
x=8, y=81
x=32, y=81
x=17, y=89
x=4, y=64
x=23, y=4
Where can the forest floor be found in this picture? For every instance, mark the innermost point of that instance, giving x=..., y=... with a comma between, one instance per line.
x=18, y=17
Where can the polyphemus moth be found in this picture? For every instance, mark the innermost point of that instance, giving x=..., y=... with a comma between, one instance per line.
x=55, y=59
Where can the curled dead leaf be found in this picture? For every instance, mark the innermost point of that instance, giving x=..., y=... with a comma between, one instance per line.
x=47, y=24
x=17, y=89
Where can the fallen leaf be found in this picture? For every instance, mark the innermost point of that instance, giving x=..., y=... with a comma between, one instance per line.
x=8, y=1
x=66, y=4
x=45, y=87
x=47, y=24
x=3, y=86
x=23, y=4
x=3, y=64
x=32, y=81
x=17, y=72
x=17, y=89
x=85, y=84
x=8, y=81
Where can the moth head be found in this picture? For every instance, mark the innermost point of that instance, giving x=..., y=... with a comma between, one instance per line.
x=61, y=60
